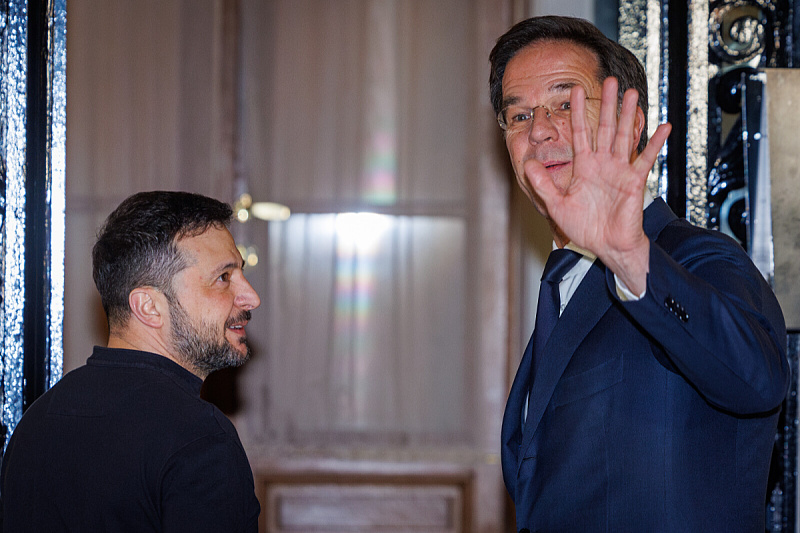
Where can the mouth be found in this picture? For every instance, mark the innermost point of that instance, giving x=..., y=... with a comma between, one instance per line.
x=555, y=165
x=238, y=322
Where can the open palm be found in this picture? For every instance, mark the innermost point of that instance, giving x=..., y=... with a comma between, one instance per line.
x=601, y=209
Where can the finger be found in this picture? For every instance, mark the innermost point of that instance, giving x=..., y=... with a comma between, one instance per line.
x=648, y=157
x=624, y=139
x=607, y=128
x=581, y=134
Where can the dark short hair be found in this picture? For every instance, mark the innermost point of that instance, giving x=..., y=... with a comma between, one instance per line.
x=137, y=245
x=613, y=59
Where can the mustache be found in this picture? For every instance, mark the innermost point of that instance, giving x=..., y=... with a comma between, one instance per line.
x=561, y=154
x=244, y=316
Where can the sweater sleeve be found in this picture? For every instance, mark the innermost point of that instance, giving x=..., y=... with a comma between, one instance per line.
x=207, y=486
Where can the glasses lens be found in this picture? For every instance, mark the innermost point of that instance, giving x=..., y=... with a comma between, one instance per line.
x=559, y=108
x=501, y=119
x=514, y=119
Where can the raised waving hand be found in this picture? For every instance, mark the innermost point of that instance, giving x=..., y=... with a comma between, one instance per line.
x=601, y=209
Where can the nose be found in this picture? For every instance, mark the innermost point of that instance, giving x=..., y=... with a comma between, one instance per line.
x=542, y=127
x=247, y=298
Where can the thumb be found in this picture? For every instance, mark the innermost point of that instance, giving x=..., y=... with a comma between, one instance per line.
x=539, y=180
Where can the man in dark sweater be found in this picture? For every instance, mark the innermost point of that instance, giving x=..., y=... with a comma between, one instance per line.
x=125, y=443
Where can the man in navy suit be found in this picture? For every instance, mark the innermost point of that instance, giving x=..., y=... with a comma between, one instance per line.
x=656, y=396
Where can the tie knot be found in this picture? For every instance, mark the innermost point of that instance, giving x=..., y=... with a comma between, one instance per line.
x=559, y=262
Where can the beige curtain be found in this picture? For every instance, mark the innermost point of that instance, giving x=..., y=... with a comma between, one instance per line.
x=356, y=116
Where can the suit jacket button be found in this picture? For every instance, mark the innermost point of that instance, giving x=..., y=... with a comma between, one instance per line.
x=676, y=309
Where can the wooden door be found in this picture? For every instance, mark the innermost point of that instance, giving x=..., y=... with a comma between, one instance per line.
x=380, y=371
x=375, y=399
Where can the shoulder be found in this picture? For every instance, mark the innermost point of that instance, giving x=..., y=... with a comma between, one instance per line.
x=680, y=234
x=705, y=251
x=207, y=484
x=678, y=237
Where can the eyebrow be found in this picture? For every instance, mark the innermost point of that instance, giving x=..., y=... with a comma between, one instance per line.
x=560, y=87
x=228, y=266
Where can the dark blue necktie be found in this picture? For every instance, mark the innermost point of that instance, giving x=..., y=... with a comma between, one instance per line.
x=558, y=264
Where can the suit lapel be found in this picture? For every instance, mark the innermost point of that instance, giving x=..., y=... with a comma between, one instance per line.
x=512, y=419
x=511, y=433
x=589, y=303
x=587, y=306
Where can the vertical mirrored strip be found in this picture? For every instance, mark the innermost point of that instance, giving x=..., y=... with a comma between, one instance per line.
x=699, y=72
x=57, y=162
x=643, y=31
x=789, y=499
x=22, y=122
x=658, y=81
x=633, y=28
x=3, y=154
x=13, y=83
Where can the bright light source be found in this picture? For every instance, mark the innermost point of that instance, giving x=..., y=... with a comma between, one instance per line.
x=252, y=256
x=270, y=211
x=362, y=231
x=249, y=254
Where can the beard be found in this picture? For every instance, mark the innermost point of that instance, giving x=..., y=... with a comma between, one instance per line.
x=200, y=345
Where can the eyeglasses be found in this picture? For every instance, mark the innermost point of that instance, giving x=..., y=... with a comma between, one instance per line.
x=514, y=119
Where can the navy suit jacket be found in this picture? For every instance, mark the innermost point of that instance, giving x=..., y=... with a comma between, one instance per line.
x=658, y=414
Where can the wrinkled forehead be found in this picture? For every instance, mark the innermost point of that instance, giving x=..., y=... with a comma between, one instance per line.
x=554, y=48
x=549, y=67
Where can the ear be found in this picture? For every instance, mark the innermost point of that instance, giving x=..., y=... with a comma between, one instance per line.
x=148, y=306
x=638, y=126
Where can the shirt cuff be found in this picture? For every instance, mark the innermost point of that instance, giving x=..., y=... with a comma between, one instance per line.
x=624, y=294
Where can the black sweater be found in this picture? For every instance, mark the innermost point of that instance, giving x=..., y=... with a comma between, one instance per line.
x=125, y=443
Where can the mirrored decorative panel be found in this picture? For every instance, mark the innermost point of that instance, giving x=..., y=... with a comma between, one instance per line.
x=32, y=178
x=744, y=36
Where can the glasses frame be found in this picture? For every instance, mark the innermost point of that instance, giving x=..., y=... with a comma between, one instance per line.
x=549, y=111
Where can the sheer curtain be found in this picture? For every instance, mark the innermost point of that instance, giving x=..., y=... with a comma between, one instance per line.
x=367, y=325
x=356, y=115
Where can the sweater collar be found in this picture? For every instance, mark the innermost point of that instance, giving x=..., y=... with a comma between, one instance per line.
x=103, y=356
